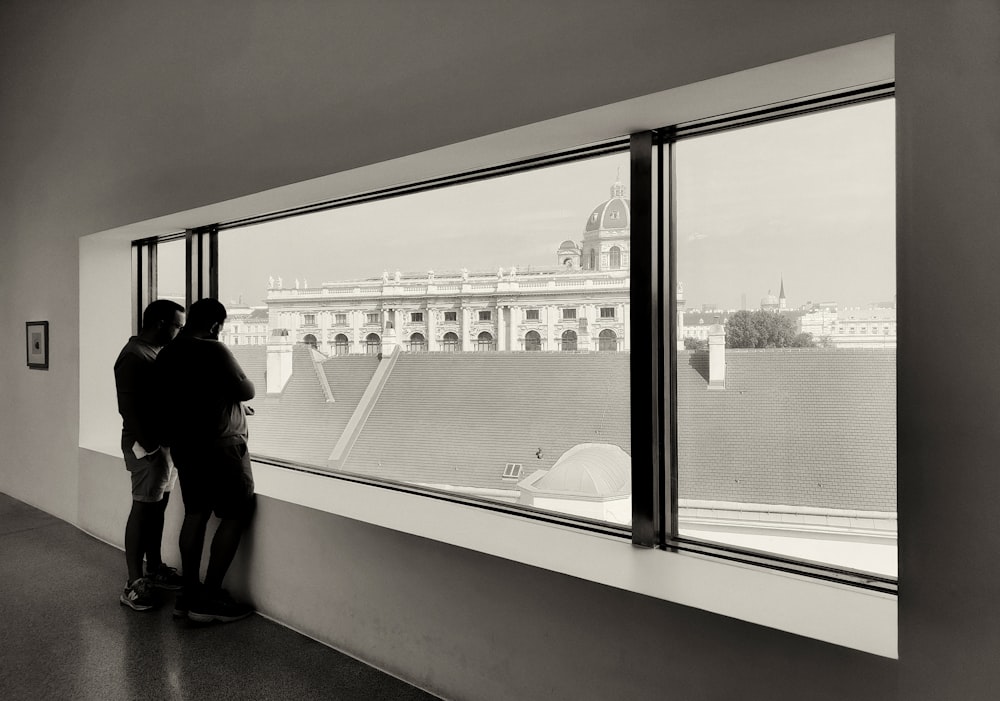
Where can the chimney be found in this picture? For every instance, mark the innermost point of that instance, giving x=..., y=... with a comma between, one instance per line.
x=716, y=356
x=279, y=360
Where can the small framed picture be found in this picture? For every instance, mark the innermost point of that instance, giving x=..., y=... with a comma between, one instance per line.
x=36, y=335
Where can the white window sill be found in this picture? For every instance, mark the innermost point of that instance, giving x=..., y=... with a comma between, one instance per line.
x=836, y=613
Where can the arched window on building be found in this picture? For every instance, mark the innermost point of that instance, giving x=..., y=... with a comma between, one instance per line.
x=615, y=258
x=532, y=341
x=607, y=340
x=593, y=259
x=484, y=341
x=418, y=343
x=568, y=341
x=309, y=340
x=373, y=344
x=341, y=345
x=449, y=343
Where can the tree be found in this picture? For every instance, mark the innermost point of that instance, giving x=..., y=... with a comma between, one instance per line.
x=692, y=343
x=764, y=329
x=803, y=340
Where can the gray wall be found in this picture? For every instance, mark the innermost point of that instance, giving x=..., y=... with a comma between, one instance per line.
x=115, y=112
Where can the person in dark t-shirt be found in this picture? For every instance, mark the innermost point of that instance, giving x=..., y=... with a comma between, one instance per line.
x=204, y=420
x=146, y=460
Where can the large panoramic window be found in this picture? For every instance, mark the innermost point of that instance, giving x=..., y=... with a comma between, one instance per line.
x=786, y=408
x=750, y=349
x=403, y=338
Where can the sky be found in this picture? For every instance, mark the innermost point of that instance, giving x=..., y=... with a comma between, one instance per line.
x=810, y=200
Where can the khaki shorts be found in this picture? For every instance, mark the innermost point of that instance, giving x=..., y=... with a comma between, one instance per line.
x=152, y=475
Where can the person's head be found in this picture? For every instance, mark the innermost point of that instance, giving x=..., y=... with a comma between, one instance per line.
x=206, y=317
x=161, y=321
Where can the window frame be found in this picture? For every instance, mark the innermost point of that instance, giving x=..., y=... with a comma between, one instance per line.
x=653, y=365
x=659, y=526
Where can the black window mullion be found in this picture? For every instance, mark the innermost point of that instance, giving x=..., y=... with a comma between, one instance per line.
x=645, y=334
x=137, y=321
x=668, y=221
x=213, y=262
x=152, y=272
x=189, y=268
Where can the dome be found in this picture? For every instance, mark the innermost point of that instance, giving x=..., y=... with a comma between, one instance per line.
x=593, y=469
x=612, y=214
x=567, y=244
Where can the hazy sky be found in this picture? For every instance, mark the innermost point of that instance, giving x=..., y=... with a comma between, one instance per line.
x=811, y=199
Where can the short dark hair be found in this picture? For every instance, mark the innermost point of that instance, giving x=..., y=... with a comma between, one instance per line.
x=160, y=310
x=204, y=313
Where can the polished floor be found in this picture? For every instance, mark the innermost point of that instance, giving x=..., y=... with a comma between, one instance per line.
x=63, y=634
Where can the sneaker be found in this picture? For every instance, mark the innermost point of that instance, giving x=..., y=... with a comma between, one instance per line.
x=138, y=595
x=166, y=578
x=182, y=603
x=218, y=607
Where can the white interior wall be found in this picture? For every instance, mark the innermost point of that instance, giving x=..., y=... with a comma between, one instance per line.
x=89, y=142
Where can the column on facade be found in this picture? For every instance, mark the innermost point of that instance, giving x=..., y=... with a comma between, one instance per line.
x=324, y=343
x=550, y=326
x=514, y=321
x=625, y=343
x=592, y=315
x=464, y=331
x=431, y=333
x=501, y=331
x=355, y=331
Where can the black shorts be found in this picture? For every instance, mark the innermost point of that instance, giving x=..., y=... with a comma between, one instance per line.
x=216, y=478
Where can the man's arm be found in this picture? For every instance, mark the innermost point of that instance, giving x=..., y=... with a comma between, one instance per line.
x=239, y=384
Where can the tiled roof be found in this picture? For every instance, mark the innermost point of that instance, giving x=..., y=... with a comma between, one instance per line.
x=802, y=427
x=299, y=424
x=459, y=418
x=253, y=360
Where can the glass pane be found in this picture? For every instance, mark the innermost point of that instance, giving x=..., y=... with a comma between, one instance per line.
x=786, y=367
x=170, y=271
x=391, y=338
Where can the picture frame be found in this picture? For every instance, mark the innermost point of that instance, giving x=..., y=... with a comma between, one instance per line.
x=36, y=342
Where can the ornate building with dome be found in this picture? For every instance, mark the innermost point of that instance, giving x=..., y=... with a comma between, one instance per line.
x=580, y=303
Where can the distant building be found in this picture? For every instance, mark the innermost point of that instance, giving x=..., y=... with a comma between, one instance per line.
x=775, y=304
x=245, y=326
x=874, y=327
x=579, y=304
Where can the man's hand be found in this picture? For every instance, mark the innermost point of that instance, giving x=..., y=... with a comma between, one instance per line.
x=140, y=452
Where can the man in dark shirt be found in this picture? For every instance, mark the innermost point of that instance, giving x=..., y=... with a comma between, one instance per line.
x=148, y=463
x=203, y=390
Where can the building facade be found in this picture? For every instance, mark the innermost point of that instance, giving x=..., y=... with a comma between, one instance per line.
x=579, y=304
